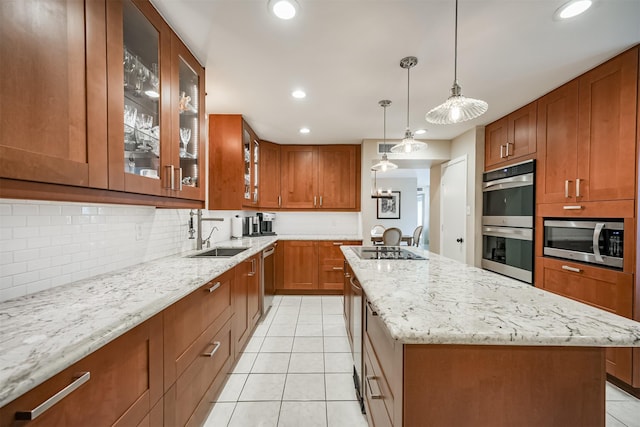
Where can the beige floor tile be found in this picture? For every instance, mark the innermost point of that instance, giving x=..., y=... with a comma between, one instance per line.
x=263, y=387
x=306, y=363
x=252, y=414
x=307, y=414
x=304, y=387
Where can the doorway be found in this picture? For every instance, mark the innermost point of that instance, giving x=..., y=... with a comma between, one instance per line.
x=453, y=209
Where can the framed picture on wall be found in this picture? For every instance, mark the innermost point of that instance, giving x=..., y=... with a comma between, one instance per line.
x=389, y=208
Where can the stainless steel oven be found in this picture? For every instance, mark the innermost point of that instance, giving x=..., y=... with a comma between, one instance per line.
x=508, y=204
x=592, y=241
x=508, y=196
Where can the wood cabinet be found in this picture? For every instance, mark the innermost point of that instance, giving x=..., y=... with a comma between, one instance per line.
x=269, y=193
x=234, y=159
x=314, y=266
x=123, y=385
x=246, y=301
x=511, y=138
x=198, y=350
x=320, y=177
x=605, y=289
x=53, y=105
x=348, y=299
x=586, y=135
x=103, y=111
x=416, y=385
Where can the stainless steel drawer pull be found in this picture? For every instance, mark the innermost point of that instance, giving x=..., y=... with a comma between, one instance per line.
x=253, y=267
x=502, y=151
x=578, y=187
x=80, y=379
x=353, y=284
x=572, y=208
x=314, y=201
x=320, y=201
x=338, y=243
x=338, y=268
x=279, y=201
x=214, y=287
x=573, y=269
x=374, y=394
x=216, y=346
x=566, y=188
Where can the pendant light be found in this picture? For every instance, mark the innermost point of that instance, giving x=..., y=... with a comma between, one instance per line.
x=384, y=164
x=408, y=144
x=378, y=193
x=457, y=108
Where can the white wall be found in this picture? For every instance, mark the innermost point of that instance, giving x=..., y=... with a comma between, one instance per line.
x=408, y=207
x=321, y=223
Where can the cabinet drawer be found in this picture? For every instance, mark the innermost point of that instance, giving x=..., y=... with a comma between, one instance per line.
x=376, y=391
x=381, y=342
x=187, y=320
x=124, y=381
x=187, y=401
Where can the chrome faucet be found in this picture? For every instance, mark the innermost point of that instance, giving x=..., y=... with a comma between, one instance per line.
x=198, y=215
x=208, y=239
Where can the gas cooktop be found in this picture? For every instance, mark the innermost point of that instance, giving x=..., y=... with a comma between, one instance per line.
x=385, y=252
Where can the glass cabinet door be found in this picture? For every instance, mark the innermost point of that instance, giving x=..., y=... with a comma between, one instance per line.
x=188, y=110
x=256, y=157
x=141, y=61
x=246, y=151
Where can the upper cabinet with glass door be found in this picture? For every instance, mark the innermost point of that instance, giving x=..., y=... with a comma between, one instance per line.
x=188, y=120
x=251, y=153
x=155, y=91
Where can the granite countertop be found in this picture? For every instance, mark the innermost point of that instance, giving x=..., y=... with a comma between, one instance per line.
x=43, y=333
x=442, y=301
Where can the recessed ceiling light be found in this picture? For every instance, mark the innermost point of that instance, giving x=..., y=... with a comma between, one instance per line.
x=572, y=8
x=283, y=9
x=298, y=94
x=305, y=130
x=420, y=131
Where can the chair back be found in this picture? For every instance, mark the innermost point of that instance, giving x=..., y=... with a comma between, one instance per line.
x=416, y=235
x=392, y=236
x=377, y=230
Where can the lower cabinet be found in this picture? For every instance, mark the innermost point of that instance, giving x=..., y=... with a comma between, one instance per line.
x=603, y=288
x=246, y=301
x=312, y=266
x=118, y=385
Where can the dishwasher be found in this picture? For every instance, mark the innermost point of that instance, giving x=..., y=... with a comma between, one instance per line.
x=268, y=280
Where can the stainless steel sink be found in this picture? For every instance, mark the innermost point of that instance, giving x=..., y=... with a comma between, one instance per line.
x=219, y=253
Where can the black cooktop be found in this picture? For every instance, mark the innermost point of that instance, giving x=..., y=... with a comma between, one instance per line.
x=385, y=252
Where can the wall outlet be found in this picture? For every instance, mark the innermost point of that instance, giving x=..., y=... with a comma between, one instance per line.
x=138, y=228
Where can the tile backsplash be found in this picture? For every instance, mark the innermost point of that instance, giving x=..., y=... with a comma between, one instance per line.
x=47, y=244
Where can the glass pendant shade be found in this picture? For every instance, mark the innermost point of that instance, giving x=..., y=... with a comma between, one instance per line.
x=384, y=165
x=456, y=109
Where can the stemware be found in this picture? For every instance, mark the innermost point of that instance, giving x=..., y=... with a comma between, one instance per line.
x=129, y=64
x=185, y=136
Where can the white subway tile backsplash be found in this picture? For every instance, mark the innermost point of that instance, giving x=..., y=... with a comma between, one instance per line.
x=13, y=221
x=51, y=210
x=25, y=209
x=5, y=210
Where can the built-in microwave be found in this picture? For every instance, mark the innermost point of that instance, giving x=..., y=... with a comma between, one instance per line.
x=592, y=241
x=508, y=197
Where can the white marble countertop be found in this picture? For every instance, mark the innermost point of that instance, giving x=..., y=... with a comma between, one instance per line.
x=442, y=301
x=43, y=333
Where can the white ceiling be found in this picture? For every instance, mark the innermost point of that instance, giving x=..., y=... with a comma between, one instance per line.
x=346, y=54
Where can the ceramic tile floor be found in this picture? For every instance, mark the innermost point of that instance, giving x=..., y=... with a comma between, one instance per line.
x=296, y=371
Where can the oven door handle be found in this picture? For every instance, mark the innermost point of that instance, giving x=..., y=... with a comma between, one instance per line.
x=508, y=232
x=511, y=182
x=597, y=231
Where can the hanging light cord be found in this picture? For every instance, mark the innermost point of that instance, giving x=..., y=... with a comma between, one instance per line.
x=455, y=49
x=384, y=127
x=408, y=78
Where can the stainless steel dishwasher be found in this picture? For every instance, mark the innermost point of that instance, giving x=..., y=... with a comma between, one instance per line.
x=356, y=336
x=268, y=280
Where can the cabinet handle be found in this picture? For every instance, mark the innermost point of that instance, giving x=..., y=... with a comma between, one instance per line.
x=279, y=201
x=578, y=187
x=171, y=183
x=353, y=284
x=573, y=269
x=508, y=144
x=502, y=151
x=373, y=312
x=572, y=208
x=566, y=188
x=320, y=201
x=255, y=196
x=338, y=243
x=179, y=179
x=372, y=394
x=314, y=201
x=338, y=268
x=216, y=345
x=80, y=379
x=214, y=287
x=253, y=267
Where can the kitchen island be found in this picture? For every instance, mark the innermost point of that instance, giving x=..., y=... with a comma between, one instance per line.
x=450, y=344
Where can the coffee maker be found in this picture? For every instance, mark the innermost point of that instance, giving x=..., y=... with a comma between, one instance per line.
x=265, y=221
x=250, y=226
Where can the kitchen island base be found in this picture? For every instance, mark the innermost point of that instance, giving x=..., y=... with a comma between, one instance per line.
x=484, y=385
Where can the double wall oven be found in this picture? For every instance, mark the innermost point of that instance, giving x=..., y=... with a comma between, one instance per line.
x=508, y=205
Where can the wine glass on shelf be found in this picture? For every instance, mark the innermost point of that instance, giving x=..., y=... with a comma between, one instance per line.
x=185, y=136
x=129, y=64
